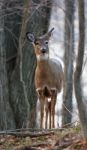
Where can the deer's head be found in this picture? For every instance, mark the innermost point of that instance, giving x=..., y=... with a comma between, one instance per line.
x=40, y=44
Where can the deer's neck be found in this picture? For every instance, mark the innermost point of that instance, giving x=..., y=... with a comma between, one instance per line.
x=42, y=63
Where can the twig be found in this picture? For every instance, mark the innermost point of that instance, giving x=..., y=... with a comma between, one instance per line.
x=11, y=58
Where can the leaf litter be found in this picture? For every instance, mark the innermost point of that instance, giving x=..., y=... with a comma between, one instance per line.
x=67, y=139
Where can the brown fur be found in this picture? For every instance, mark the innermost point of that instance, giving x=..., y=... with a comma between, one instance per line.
x=49, y=73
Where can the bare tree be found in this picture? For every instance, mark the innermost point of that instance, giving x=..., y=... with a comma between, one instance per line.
x=78, y=71
x=6, y=115
x=68, y=62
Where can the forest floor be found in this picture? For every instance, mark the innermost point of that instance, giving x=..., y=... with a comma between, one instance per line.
x=59, y=139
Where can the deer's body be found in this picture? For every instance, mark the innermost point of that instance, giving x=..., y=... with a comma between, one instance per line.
x=48, y=78
x=48, y=72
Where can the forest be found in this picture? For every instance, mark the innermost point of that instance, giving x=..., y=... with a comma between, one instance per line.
x=20, y=101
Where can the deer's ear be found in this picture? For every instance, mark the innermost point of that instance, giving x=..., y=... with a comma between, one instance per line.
x=50, y=32
x=30, y=37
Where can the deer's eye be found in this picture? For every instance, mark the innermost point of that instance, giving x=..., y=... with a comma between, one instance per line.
x=46, y=42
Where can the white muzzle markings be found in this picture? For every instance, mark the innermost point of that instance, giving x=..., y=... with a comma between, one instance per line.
x=42, y=57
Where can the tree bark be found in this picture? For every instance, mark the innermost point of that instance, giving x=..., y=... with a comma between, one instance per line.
x=12, y=25
x=78, y=70
x=68, y=62
x=6, y=115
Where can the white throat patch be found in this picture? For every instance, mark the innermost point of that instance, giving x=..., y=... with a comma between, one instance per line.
x=42, y=57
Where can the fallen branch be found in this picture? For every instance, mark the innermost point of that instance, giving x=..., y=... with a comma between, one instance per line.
x=37, y=146
x=28, y=134
x=34, y=131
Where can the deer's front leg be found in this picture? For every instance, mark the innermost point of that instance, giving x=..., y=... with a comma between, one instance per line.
x=46, y=112
x=41, y=112
x=42, y=102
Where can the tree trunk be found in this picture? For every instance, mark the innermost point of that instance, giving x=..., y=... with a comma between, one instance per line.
x=78, y=71
x=6, y=114
x=68, y=62
x=12, y=25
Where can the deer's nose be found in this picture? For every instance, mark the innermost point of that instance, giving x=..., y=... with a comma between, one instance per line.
x=43, y=51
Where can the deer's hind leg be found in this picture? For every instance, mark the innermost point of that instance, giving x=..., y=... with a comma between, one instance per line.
x=53, y=103
x=49, y=109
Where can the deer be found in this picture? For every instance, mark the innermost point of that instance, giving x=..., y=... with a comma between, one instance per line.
x=48, y=78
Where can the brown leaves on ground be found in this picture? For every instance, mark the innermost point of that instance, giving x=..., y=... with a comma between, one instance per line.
x=71, y=141
x=60, y=140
